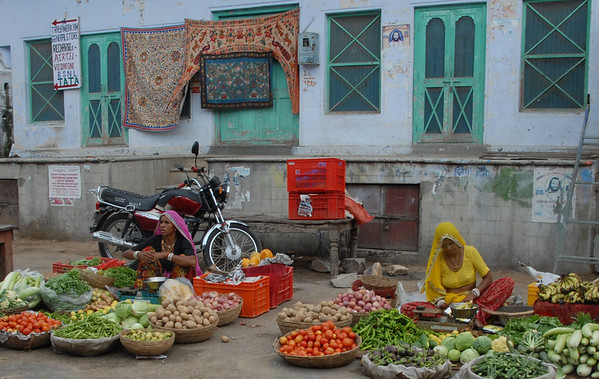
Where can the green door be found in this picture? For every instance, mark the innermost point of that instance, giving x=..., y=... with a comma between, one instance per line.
x=260, y=126
x=449, y=62
x=102, y=90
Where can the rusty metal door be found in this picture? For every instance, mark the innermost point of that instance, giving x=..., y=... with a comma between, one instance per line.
x=9, y=202
x=395, y=208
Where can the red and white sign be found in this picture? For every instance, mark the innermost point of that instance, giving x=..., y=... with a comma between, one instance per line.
x=64, y=182
x=66, y=60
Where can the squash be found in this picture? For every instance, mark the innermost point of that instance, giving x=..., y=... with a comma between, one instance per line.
x=265, y=254
x=245, y=262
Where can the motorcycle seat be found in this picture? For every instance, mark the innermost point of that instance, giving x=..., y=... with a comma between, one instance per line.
x=124, y=198
x=167, y=195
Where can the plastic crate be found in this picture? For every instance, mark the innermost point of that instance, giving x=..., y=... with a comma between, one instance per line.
x=315, y=175
x=256, y=299
x=106, y=263
x=325, y=206
x=533, y=293
x=281, y=281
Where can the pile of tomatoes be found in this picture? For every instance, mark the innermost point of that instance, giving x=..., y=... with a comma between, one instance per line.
x=321, y=339
x=28, y=322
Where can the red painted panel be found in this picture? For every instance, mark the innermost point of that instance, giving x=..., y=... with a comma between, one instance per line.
x=402, y=200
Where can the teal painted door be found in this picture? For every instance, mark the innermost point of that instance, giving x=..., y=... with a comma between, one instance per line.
x=102, y=90
x=449, y=74
x=260, y=126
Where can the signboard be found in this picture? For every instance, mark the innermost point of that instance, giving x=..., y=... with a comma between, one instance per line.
x=64, y=184
x=66, y=61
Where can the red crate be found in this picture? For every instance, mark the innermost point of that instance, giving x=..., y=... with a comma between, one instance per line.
x=315, y=175
x=325, y=206
x=106, y=263
x=256, y=300
x=281, y=281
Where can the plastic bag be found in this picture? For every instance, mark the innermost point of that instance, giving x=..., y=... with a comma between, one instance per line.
x=84, y=347
x=70, y=301
x=176, y=289
x=400, y=371
x=404, y=297
x=27, y=283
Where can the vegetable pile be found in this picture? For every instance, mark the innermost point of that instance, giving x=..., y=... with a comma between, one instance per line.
x=318, y=340
x=28, y=322
x=406, y=355
x=131, y=315
x=123, y=276
x=67, y=282
x=506, y=365
x=141, y=335
x=219, y=302
x=570, y=289
x=362, y=301
x=91, y=327
x=21, y=288
x=574, y=348
x=183, y=314
x=94, y=261
x=101, y=300
x=310, y=313
x=389, y=327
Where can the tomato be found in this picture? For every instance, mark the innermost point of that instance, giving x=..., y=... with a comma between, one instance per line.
x=303, y=332
x=317, y=344
x=333, y=344
x=27, y=331
x=304, y=343
x=299, y=338
x=283, y=340
x=346, y=329
x=294, y=333
x=352, y=335
x=329, y=351
x=291, y=343
x=347, y=342
x=328, y=334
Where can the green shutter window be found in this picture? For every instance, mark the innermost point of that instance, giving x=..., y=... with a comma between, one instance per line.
x=354, y=62
x=47, y=104
x=554, y=64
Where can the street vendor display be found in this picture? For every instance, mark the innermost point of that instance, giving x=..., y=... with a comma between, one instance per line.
x=451, y=277
x=66, y=292
x=189, y=319
x=302, y=315
x=26, y=330
x=227, y=306
x=20, y=290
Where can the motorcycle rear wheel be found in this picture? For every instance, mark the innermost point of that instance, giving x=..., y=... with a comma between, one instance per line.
x=115, y=225
x=215, y=251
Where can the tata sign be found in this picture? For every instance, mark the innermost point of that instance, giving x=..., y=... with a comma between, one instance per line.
x=66, y=61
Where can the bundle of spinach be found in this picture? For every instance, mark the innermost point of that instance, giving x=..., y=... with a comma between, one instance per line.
x=68, y=281
x=123, y=276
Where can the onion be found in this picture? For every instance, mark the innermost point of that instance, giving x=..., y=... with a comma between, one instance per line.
x=366, y=298
x=358, y=296
x=361, y=303
x=387, y=306
x=367, y=307
x=376, y=304
x=345, y=303
x=352, y=304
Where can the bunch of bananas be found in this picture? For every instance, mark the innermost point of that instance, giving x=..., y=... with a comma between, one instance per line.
x=570, y=289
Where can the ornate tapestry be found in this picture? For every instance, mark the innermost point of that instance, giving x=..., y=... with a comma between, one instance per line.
x=276, y=34
x=154, y=63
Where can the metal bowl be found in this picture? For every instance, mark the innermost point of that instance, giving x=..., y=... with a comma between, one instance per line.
x=459, y=312
x=154, y=282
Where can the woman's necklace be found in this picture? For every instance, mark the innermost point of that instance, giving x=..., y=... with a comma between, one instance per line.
x=167, y=248
x=454, y=267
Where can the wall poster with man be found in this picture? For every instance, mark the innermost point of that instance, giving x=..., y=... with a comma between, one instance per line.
x=550, y=193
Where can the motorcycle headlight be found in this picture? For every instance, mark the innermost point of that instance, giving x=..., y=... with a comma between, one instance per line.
x=223, y=193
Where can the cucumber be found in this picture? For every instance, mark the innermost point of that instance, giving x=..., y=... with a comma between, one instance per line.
x=560, y=342
x=558, y=331
x=574, y=339
x=588, y=329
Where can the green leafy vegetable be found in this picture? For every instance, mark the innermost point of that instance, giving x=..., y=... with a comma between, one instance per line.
x=123, y=276
x=68, y=281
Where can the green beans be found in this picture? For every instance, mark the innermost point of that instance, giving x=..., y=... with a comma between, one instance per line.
x=68, y=281
x=387, y=327
x=123, y=276
x=92, y=327
x=505, y=365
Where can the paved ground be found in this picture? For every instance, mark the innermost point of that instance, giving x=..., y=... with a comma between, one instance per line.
x=249, y=354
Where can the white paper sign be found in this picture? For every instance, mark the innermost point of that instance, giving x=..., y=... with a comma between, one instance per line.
x=66, y=61
x=64, y=182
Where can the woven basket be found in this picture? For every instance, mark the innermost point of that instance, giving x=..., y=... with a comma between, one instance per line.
x=33, y=341
x=190, y=335
x=146, y=348
x=14, y=311
x=289, y=326
x=230, y=315
x=357, y=316
x=95, y=280
x=322, y=361
x=374, y=282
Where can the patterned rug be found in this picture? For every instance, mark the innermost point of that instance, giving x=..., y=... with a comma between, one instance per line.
x=153, y=59
x=236, y=80
x=276, y=34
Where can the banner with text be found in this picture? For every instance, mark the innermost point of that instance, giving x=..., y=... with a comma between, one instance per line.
x=64, y=184
x=66, y=61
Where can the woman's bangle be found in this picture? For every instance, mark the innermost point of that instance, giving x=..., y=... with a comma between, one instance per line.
x=476, y=292
x=135, y=254
x=170, y=256
x=439, y=303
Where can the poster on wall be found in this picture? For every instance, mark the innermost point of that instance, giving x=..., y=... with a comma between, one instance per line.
x=550, y=193
x=66, y=61
x=64, y=184
x=396, y=35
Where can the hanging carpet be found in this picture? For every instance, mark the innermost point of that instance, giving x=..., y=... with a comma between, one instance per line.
x=154, y=62
x=276, y=34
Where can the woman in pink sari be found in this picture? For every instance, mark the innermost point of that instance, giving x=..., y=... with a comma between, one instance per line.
x=169, y=252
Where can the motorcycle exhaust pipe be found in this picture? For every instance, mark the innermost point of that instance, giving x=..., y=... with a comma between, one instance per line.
x=102, y=236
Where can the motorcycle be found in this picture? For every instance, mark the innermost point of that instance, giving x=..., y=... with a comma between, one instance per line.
x=123, y=219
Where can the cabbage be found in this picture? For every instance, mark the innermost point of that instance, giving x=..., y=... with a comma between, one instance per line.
x=449, y=343
x=152, y=307
x=123, y=310
x=464, y=340
x=113, y=317
x=144, y=320
x=136, y=325
x=454, y=355
x=139, y=308
x=129, y=322
x=482, y=344
x=468, y=355
x=441, y=351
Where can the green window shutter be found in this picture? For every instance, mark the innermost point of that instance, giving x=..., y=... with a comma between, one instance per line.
x=354, y=62
x=46, y=104
x=555, y=49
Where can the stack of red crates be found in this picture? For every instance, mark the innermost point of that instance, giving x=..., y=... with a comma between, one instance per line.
x=323, y=181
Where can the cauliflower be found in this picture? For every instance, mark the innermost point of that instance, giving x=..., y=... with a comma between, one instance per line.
x=468, y=355
x=499, y=345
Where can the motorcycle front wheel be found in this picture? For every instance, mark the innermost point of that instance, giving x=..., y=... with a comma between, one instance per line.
x=115, y=225
x=225, y=257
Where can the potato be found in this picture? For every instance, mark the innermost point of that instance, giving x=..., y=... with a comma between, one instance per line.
x=159, y=323
x=176, y=313
x=172, y=318
x=206, y=322
x=199, y=320
x=169, y=325
x=181, y=309
x=206, y=314
x=167, y=313
x=178, y=325
x=171, y=307
x=196, y=312
x=178, y=319
x=212, y=319
x=165, y=319
x=190, y=324
x=165, y=303
x=154, y=319
x=308, y=320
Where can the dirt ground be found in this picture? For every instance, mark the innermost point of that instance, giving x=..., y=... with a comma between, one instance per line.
x=249, y=354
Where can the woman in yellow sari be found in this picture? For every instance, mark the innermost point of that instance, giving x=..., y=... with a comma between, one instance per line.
x=451, y=277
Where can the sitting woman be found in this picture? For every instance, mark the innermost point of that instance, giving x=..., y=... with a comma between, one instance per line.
x=169, y=252
x=451, y=277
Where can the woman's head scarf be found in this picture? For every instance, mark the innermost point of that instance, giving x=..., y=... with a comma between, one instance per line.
x=181, y=227
x=432, y=281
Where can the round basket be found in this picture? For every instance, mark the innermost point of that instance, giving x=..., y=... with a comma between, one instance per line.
x=357, y=316
x=289, y=326
x=95, y=280
x=19, y=341
x=190, y=335
x=374, y=282
x=84, y=347
x=322, y=361
x=146, y=348
x=14, y=311
x=230, y=315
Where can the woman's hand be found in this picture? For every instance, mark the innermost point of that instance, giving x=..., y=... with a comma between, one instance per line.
x=443, y=305
x=148, y=256
x=469, y=297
